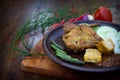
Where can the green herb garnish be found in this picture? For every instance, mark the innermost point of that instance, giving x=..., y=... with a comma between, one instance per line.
x=43, y=20
x=64, y=56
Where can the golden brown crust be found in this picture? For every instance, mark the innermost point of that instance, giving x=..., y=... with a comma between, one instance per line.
x=79, y=37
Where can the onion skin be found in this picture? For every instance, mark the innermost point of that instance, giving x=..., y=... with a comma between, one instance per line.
x=85, y=17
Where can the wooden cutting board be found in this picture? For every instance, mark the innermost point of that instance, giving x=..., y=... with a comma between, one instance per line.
x=45, y=66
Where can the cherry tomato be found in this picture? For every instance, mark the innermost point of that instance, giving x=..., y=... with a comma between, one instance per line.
x=103, y=13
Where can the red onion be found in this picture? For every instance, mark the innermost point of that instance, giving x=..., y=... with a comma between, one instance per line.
x=85, y=17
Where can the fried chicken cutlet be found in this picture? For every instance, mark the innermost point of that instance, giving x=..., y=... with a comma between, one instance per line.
x=79, y=37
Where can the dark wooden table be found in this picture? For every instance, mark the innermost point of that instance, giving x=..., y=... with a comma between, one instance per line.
x=13, y=14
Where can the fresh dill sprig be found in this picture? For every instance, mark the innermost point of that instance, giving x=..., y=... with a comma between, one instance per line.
x=21, y=32
x=28, y=48
x=41, y=20
x=26, y=53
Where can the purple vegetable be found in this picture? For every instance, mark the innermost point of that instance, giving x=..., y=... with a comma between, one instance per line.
x=88, y=17
x=85, y=17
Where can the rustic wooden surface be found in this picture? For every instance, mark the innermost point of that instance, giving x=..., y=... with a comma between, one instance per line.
x=13, y=13
x=43, y=65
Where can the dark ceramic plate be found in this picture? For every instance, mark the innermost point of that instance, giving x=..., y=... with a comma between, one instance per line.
x=56, y=34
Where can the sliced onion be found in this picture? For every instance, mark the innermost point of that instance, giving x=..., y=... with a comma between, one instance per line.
x=90, y=17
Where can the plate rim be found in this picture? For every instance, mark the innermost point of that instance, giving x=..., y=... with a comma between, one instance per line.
x=72, y=66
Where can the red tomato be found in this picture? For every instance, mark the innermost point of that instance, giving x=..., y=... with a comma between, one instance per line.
x=104, y=14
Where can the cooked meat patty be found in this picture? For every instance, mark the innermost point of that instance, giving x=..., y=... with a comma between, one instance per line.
x=79, y=37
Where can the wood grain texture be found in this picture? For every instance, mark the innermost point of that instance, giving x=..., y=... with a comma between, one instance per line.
x=43, y=65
